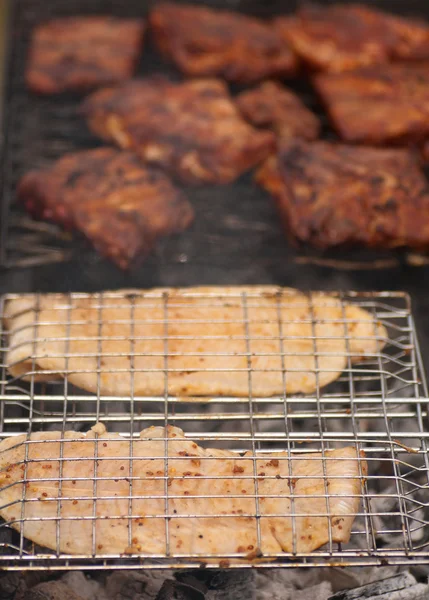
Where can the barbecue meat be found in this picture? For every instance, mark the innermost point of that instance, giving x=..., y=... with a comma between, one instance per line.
x=274, y=106
x=216, y=485
x=414, y=39
x=337, y=38
x=344, y=37
x=206, y=42
x=79, y=53
x=378, y=105
x=191, y=129
x=208, y=354
x=425, y=152
x=120, y=205
x=330, y=195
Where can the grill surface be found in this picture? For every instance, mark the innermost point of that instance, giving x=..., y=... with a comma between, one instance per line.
x=234, y=224
x=379, y=406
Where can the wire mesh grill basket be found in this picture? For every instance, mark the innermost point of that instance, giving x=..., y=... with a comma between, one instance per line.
x=376, y=408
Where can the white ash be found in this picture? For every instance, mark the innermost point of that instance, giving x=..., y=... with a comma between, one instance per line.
x=280, y=586
x=402, y=586
x=118, y=585
x=275, y=584
x=86, y=587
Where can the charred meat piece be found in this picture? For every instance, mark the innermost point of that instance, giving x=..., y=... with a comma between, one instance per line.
x=79, y=53
x=331, y=195
x=192, y=129
x=339, y=37
x=343, y=37
x=413, y=39
x=274, y=106
x=202, y=41
x=425, y=152
x=380, y=104
x=120, y=205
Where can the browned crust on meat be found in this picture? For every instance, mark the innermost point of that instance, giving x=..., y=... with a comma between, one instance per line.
x=273, y=106
x=206, y=42
x=121, y=206
x=412, y=38
x=192, y=129
x=378, y=105
x=331, y=195
x=344, y=37
x=425, y=152
x=79, y=53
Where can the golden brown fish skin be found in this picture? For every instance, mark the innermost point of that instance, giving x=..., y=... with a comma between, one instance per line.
x=274, y=106
x=378, y=105
x=330, y=195
x=80, y=53
x=120, y=205
x=345, y=37
x=215, y=488
x=192, y=129
x=206, y=42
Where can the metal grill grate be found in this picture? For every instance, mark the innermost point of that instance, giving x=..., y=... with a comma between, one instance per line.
x=378, y=406
x=239, y=227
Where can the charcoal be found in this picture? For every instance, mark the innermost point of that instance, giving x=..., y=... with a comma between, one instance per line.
x=134, y=585
x=9, y=585
x=195, y=580
x=174, y=590
x=51, y=590
x=84, y=585
x=401, y=587
x=220, y=584
x=13, y=584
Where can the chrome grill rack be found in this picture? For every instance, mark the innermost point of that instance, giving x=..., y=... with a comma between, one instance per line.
x=379, y=406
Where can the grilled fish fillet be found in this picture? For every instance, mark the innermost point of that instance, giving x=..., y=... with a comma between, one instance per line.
x=213, y=336
x=131, y=507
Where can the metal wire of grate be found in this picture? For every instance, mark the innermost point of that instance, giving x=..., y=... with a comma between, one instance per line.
x=255, y=475
x=236, y=224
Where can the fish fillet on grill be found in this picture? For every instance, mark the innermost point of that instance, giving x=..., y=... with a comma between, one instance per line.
x=191, y=129
x=80, y=53
x=207, y=338
x=130, y=504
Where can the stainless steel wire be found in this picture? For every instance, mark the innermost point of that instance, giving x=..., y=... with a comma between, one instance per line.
x=378, y=406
